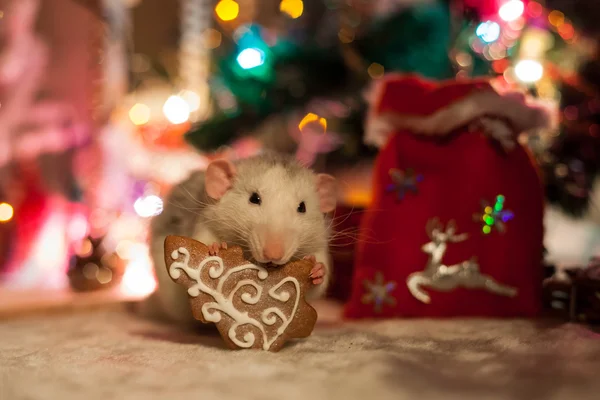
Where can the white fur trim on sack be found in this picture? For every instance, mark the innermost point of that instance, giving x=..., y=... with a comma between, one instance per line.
x=519, y=115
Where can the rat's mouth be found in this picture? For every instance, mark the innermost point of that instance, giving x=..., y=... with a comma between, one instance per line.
x=257, y=259
x=272, y=265
x=268, y=265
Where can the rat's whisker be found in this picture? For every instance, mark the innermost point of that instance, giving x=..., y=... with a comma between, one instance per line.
x=192, y=197
x=191, y=209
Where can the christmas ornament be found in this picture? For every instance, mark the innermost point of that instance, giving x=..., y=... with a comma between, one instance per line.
x=494, y=216
x=439, y=276
x=403, y=181
x=379, y=292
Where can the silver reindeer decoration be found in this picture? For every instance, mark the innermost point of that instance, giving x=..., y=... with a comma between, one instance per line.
x=445, y=278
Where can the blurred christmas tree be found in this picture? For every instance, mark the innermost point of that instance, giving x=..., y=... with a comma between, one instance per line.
x=287, y=87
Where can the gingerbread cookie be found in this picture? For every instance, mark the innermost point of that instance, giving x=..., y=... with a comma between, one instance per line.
x=253, y=307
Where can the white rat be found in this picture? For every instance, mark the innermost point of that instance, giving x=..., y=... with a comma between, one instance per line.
x=270, y=205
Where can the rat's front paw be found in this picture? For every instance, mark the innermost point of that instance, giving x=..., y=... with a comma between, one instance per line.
x=214, y=248
x=312, y=259
x=318, y=272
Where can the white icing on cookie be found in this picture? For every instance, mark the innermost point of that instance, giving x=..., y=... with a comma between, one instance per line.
x=223, y=304
x=247, y=297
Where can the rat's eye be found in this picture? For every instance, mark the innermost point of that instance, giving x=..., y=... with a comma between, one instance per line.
x=302, y=208
x=255, y=198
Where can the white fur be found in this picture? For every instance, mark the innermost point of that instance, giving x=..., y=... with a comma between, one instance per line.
x=479, y=105
x=233, y=219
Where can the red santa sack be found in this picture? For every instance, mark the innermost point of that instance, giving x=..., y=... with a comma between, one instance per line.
x=455, y=227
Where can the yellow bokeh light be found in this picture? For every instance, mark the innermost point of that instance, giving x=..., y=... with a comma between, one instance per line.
x=310, y=118
x=556, y=18
x=358, y=198
x=6, y=212
x=346, y=36
x=376, y=70
x=293, y=8
x=139, y=114
x=227, y=10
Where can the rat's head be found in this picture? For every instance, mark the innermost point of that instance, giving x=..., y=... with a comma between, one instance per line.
x=270, y=205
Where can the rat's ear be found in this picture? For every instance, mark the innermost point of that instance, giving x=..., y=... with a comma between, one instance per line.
x=219, y=176
x=326, y=188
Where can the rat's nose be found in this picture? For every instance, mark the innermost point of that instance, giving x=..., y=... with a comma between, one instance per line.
x=273, y=250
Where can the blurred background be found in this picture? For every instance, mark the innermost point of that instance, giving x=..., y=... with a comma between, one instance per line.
x=105, y=104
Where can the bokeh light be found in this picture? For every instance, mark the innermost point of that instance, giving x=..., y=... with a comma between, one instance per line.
x=192, y=99
x=211, y=38
x=293, y=8
x=139, y=114
x=556, y=18
x=84, y=248
x=464, y=59
x=529, y=71
x=227, y=10
x=488, y=31
x=566, y=31
x=499, y=66
x=104, y=275
x=346, y=35
x=176, y=110
x=251, y=58
x=511, y=10
x=517, y=25
x=376, y=70
x=78, y=228
x=310, y=118
x=535, y=9
x=148, y=206
x=6, y=212
x=139, y=279
x=571, y=113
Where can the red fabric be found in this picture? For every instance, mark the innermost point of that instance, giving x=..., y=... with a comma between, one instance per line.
x=412, y=95
x=30, y=216
x=485, y=8
x=458, y=172
x=343, y=248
